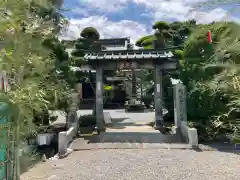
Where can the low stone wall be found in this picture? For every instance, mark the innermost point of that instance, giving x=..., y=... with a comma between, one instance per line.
x=65, y=137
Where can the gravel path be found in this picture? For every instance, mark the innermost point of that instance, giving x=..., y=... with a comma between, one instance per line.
x=139, y=164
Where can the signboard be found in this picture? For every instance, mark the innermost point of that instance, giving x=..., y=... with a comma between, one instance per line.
x=108, y=88
x=180, y=105
x=128, y=65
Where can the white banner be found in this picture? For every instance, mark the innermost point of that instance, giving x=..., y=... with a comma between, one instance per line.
x=4, y=84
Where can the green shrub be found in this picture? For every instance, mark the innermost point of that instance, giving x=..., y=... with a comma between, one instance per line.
x=147, y=99
x=140, y=41
x=90, y=32
x=87, y=121
x=161, y=25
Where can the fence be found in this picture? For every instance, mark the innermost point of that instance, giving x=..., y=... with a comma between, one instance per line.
x=7, y=144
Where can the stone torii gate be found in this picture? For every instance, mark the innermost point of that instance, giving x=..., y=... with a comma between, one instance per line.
x=157, y=60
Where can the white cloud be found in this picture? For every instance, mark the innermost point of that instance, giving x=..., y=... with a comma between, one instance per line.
x=163, y=9
x=214, y=15
x=170, y=10
x=105, y=5
x=80, y=11
x=106, y=28
x=157, y=9
x=182, y=10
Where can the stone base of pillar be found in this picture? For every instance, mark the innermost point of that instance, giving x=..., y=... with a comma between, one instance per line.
x=100, y=129
x=157, y=128
x=158, y=125
x=176, y=130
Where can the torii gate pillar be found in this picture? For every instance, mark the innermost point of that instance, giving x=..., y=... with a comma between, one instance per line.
x=158, y=99
x=99, y=98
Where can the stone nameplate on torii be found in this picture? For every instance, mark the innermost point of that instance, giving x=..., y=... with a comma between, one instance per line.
x=128, y=65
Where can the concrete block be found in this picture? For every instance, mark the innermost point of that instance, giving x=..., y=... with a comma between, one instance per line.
x=44, y=139
x=62, y=142
x=107, y=118
x=193, y=137
x=190, y=135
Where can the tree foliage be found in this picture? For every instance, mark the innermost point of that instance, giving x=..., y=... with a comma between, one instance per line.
x=29, y=64
x=212, y=78
x=161, y=25
x=86, y=42
x=90, y=33
x=210, y=71
x=140, y=41
x=171, y=34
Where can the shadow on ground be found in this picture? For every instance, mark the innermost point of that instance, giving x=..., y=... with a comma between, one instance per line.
x=128, y=130
x=118, y=123
x=220, y=146
x=134, y=137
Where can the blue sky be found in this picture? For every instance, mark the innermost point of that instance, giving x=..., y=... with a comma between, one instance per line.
x=134, y=18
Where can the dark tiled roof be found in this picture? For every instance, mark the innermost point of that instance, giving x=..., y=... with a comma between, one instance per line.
x=137, y=55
